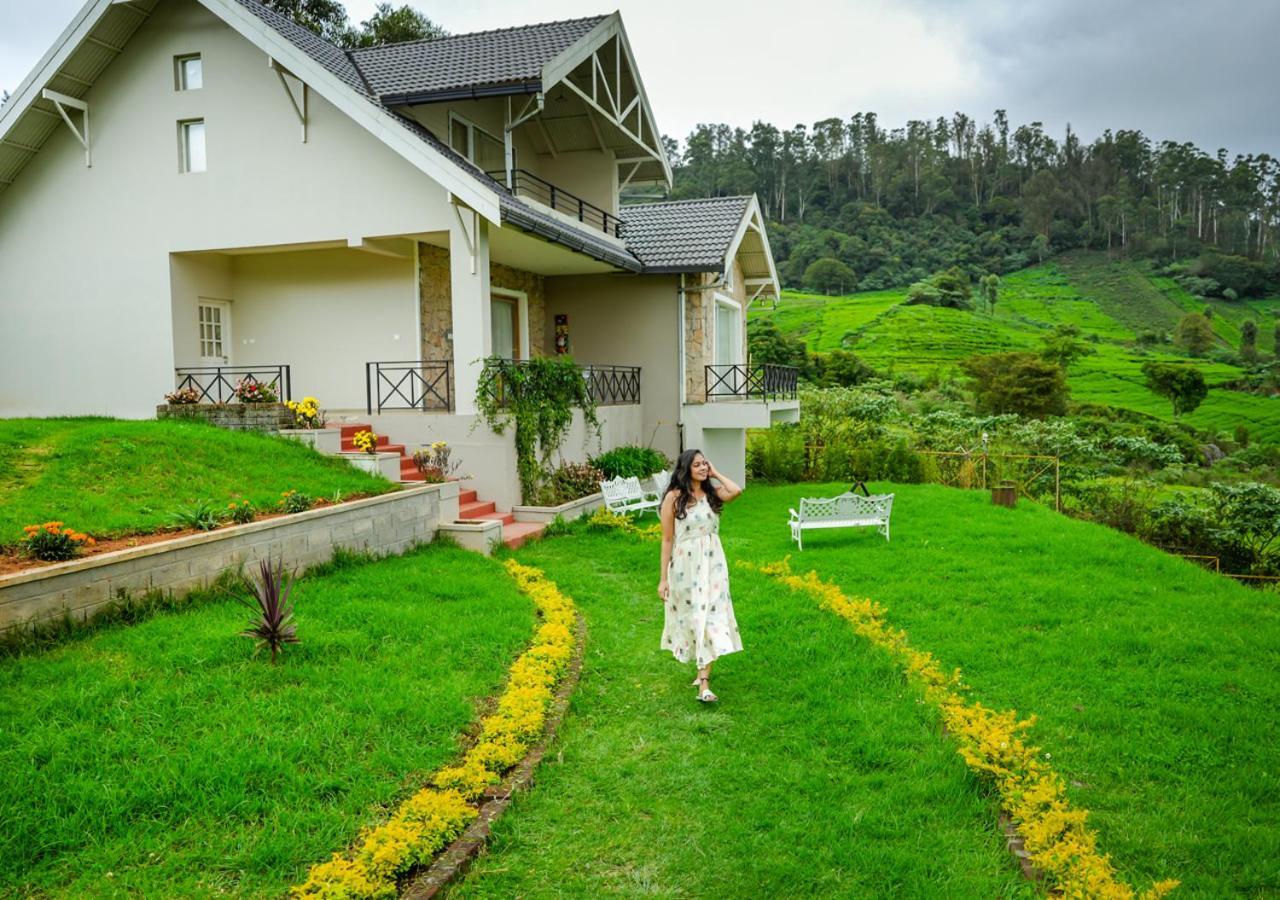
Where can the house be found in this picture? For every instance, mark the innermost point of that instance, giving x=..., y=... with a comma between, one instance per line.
x=196, y=190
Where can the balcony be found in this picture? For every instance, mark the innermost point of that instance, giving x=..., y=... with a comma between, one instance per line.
x=526, y=184
x=746, y=382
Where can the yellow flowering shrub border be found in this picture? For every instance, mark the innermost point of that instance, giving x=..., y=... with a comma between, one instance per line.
x=1055, y=835
x=604, y=519
x=430, y=819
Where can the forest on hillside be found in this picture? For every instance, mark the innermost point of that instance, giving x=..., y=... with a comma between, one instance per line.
x=892, y=206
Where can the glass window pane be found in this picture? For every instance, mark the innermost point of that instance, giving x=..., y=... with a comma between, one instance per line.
x=726, y=334
x=490, y=153
x=459, y=137
x=193, y=146
x=503, y=329
x=192, y=74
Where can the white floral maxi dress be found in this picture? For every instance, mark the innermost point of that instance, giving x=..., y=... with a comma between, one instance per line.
x=699, y=622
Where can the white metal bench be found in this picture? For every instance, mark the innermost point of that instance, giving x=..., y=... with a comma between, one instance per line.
x=660, y=480
x=624, y=495
x=844, y=511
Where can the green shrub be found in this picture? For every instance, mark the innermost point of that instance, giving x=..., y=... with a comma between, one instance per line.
x=53, y=542
x=630, y=461
x=569, y=481
x=241, y=513
x=200, y=516
x=295, y=502
x=777, y=454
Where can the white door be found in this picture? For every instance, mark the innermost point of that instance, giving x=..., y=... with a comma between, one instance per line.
x=214, y=322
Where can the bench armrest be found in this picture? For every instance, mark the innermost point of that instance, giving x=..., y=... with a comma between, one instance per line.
x=794, y=515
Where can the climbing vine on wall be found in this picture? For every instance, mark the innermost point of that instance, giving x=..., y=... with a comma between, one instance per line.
x=538, y=396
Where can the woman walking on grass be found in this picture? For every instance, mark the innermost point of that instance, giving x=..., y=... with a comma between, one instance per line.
x=694, y=587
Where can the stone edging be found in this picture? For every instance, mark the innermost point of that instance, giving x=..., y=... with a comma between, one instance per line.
x=457, y=857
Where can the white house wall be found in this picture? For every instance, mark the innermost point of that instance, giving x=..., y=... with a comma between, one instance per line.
x=85, y=275
x=626, y=321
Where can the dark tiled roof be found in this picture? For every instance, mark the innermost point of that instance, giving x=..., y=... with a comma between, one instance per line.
x=683, y=235
x=469, y=62
x=535, y=44
x=332, y=58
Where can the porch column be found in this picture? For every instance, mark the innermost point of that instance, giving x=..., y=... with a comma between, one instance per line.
x=469, y=284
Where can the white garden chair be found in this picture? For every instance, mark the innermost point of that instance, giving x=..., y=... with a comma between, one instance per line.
x=624, y=495
x=844, y=511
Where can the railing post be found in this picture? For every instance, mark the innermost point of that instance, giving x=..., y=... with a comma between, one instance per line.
x=288, y=383
x=368, y=387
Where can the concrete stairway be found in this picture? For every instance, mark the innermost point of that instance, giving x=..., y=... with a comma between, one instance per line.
x=469, y=505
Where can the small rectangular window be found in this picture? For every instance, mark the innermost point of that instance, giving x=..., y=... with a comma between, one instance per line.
x=189, y=72
x=191, y=141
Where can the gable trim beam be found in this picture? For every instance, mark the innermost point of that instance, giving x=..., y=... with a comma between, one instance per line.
x=299, y=108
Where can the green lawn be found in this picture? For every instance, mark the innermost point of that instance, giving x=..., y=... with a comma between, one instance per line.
x=163, y=759
x=828, y=323
x=111, y=477
x=820, y=772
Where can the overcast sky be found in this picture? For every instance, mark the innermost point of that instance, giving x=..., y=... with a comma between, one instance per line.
x=1186, y=71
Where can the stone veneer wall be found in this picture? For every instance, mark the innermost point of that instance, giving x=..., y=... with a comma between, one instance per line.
x=391, y=523
x=435, y=298
x=436, y=302
x=698, y=348
x=233, y=416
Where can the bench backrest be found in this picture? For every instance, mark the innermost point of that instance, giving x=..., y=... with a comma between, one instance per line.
x=846, y=506
x=621, y=490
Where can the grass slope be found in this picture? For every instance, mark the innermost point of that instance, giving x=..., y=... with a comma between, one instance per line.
x=111, y=477
x=828, y=323
x=1154, y=683
x=164, y=760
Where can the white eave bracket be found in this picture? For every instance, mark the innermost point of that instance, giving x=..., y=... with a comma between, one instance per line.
x=299, y=104
x=63, y=102
x=469, y=235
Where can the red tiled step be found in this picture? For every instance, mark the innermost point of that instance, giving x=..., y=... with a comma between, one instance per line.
x=349, y=431
x=465, y=497
x=475, y=509
x=516, y=533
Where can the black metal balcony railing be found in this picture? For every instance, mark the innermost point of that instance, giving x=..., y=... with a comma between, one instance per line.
x=613, y=385
x=217, y=384
x=526, y=184
x=741, y=382
x=409, y=384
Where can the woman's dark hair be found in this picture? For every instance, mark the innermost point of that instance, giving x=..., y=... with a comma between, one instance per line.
x=682, y=481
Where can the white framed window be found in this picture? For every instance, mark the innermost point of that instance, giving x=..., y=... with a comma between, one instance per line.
x=191, y=149
x=214, y=336
x=508, y=323
x=487, y=152
x=728, y=332
x=188, y=72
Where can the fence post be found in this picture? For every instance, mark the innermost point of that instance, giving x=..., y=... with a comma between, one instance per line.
x=1057, y=485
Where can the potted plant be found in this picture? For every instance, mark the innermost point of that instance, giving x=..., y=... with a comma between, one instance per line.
x=310, y=426
x=368, y=458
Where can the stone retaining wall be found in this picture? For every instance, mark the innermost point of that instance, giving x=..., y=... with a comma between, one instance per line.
x=233, y=416
x=391, y=523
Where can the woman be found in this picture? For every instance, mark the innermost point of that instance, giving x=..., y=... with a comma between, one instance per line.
x=694, y=587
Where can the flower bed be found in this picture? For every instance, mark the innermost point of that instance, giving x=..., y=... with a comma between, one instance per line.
x=426, y=822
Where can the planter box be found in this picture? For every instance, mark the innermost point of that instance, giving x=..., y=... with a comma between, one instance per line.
x=323, y=440
x=387, y=465
x=391, y=523
x=574, y=509
x=232, y=416
x=481, y=535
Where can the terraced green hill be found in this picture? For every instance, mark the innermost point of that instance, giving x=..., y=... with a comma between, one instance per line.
x=1111, y=301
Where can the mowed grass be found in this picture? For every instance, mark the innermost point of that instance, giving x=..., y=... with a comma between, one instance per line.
x=164, y=760
x=820, y=774
x=111, y=477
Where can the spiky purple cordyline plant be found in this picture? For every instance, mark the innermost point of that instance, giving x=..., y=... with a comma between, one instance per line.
x=272, y=623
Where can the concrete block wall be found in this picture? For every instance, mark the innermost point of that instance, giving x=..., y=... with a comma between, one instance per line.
x=392, y=523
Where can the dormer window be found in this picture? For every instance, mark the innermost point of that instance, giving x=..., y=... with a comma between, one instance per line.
x=188, y=72
x=476, y=144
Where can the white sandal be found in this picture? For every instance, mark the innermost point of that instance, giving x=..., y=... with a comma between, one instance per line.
x=705, y=694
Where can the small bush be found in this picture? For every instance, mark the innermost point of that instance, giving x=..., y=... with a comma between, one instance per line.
x=777, y=454
x=295, y=502
x=272, y=623
x=200, y=515
x=365, y=441
x=53, y=542
x=568, y=482
x=631, y=461
x=250, y=390
x=183, y=397
x=241, y=513
x=306, y=413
